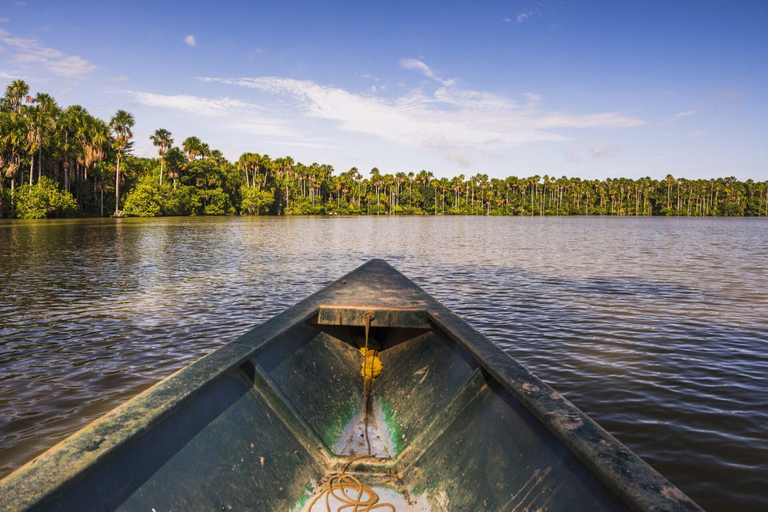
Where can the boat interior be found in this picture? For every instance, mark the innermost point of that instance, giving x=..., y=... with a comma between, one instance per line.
x=434, y=432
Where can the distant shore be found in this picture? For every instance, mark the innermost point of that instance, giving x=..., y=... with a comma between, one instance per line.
x=63, y=162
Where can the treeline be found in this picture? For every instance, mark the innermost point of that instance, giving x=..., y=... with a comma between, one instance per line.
x=58, y=162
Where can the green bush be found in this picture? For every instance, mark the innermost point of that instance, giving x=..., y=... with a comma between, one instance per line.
x=218, y=202
x=145, y=200
x=184, y=200
x=255, y=201
x=44, y=199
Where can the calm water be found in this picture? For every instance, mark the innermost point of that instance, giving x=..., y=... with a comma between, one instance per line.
x=657, y=328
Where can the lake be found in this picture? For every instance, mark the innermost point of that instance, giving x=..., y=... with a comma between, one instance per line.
x=655, y=327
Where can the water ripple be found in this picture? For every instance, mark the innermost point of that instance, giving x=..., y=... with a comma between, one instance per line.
x=654, y=327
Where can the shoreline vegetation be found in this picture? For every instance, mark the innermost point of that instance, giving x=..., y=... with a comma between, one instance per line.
x=63, y=162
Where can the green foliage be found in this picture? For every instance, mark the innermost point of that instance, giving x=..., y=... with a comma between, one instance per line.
x=81, y=152
x=217, y=203
x=184, y=200
x=145, y=200
x=43, y=200
x=255, y=201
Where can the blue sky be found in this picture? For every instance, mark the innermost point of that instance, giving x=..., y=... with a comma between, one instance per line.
x=589, y=89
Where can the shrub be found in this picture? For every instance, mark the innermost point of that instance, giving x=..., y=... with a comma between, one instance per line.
x=185, y=200
x=255, y=201
x=145, y=200
x=44, y=199
x=218, y=202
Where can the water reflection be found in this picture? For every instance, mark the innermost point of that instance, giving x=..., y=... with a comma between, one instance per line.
x=654, y=327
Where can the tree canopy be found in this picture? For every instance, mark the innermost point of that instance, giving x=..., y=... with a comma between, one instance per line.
x=58, y=162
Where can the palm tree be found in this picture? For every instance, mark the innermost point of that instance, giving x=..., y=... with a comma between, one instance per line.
x=15, y=93
x=121, y=125
x=176, y=161
x=12, y=138
x=48, y=111
x=162, y=140
x=193, y=147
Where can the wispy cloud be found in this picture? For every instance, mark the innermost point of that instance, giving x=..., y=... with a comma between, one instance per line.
x=683, y=114
x=190, y=40
x=424, y=70
x=506, y=20
x=118, y=78
x=603, y=148
x=193, y=104
x=451, y=121
x=523, y=16
x=232, y=114
x=31, y=54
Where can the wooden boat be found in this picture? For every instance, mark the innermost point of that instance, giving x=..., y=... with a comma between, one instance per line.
x=264, y=422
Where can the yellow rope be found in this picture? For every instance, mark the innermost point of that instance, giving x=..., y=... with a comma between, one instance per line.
x=339, y=484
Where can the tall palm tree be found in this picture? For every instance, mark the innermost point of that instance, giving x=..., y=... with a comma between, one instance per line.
x=162, y=140
x=121, y=125
x=48, y=112
x=15, y=93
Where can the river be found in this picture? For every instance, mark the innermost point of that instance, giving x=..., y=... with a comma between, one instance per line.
x=655, y=327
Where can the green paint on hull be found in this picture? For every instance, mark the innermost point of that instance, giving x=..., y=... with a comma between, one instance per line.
x=394, y=433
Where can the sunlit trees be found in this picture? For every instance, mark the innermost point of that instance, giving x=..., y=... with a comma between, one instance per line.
x=162, y=140
x=121, y=125
x=72, y=154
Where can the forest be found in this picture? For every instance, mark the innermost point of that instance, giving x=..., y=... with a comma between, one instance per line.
x=63, y=162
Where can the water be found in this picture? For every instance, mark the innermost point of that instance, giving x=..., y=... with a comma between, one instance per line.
x=656, y=328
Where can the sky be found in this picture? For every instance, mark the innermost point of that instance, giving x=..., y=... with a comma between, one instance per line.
x=590, y=89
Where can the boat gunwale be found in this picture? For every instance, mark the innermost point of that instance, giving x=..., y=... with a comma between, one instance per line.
x=64, y=465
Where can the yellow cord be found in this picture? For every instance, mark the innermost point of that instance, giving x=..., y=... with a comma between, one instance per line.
x=340, y=483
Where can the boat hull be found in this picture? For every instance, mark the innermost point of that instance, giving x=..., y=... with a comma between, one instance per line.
x=261, y=423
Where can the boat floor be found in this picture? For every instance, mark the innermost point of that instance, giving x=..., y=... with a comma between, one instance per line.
x=353, y=443
x=387, y=496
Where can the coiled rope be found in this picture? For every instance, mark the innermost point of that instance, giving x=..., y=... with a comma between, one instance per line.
x=352, y=494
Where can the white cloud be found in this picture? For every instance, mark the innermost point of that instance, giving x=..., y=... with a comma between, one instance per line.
x=31, y=54
x=681, y=115
x=424, y=70
x=522, y=16
x=451, y=121
x=507, y=20
x=603, y=148
x=193, y=104
x=533, y=98
x=190, y=40
x=473, y=99
x=231, y=114
x=118, y=78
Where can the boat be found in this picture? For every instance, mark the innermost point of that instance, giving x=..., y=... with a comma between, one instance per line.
x=368, y=393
